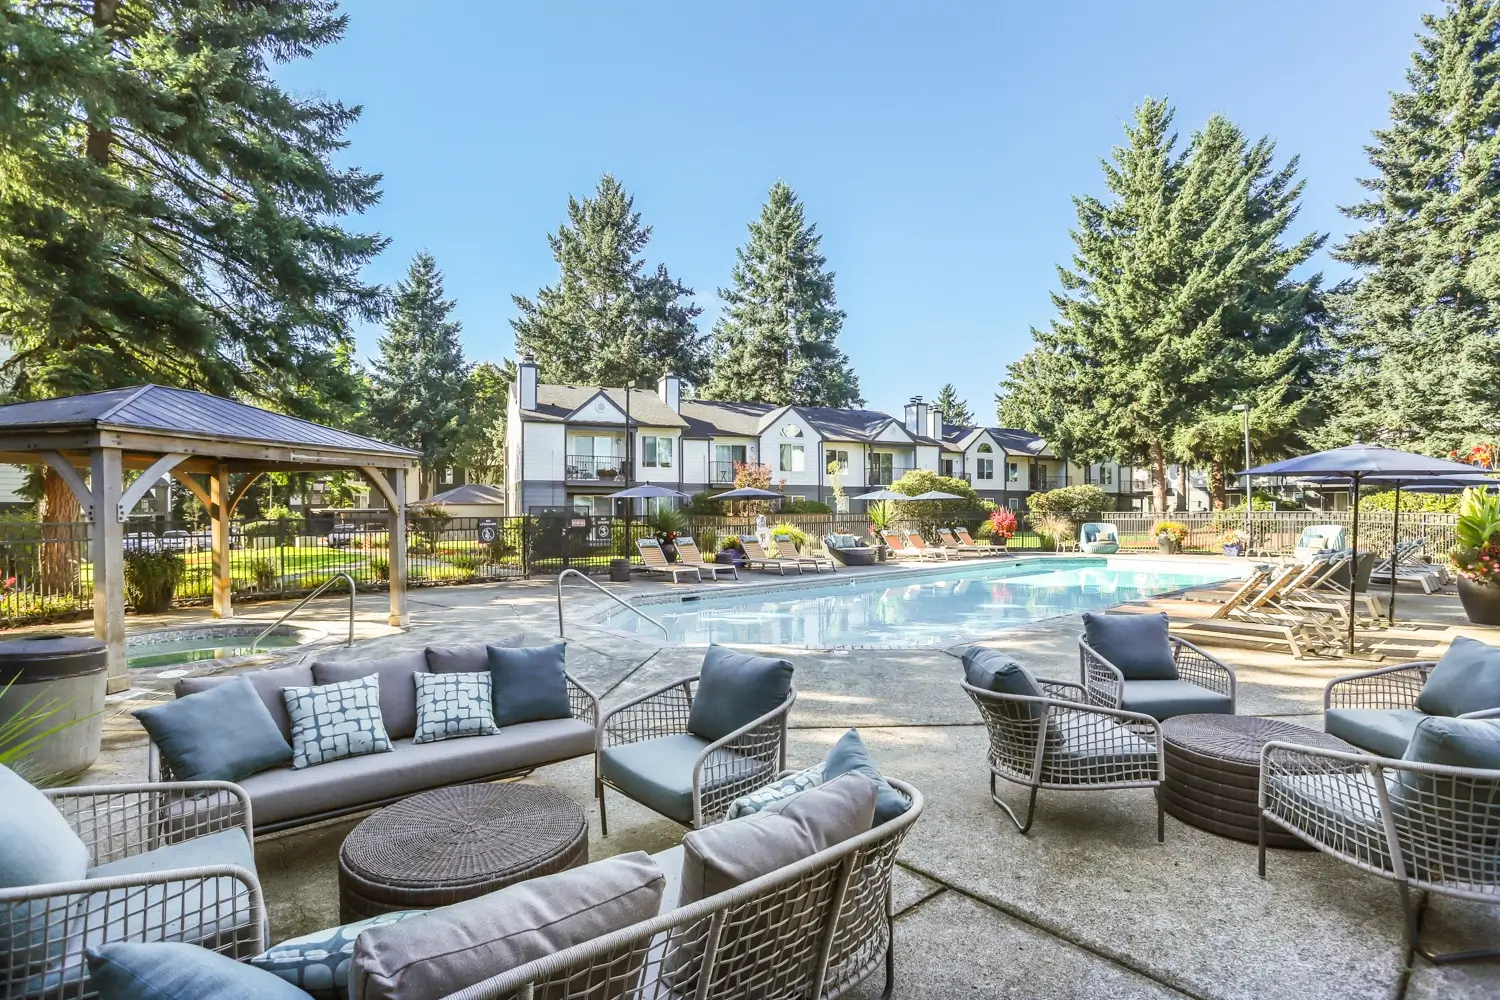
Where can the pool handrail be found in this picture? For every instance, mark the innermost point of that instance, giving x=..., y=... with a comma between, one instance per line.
x=613, y=597
x=254, y=646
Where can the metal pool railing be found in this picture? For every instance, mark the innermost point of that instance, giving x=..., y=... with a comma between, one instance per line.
x=613, y=597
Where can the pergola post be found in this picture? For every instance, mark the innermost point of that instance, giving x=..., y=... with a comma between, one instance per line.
x=221, y=512
x=106, y=545
x=398, y=549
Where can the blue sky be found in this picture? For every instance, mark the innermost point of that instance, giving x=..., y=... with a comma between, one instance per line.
x=937, y=146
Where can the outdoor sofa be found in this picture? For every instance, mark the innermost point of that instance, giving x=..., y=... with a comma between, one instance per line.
x=849, y=550
x=283, y=796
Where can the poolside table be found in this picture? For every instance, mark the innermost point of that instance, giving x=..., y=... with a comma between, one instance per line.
x=1213, y=771
x=452, y=844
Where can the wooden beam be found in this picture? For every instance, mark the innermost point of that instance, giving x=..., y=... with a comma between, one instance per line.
x=107, y=553
x=223, y=581
x=187, y=480
x=395, y=496
x=239, y=494
x=146, y=481
x=383, y=485
x=65, y=471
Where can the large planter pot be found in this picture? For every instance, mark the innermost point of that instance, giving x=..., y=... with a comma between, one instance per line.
x=670, y=551
x=1235, y=549
x=1167, y=546
x=69, y=674
x=1481, y=601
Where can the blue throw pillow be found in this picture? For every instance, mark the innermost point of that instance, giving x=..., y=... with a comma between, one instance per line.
x=1457, y=743
x=1136, y=644
x=735, y=689
x=851, y=754
x=1466, y=679
x=180, y=972
x=37, y=846
x=992, y=670
x=222, y=734
x=529, y=683
x=319, y=962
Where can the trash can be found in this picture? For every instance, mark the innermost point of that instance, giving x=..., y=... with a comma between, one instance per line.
x=619, y=570
x=64, y=675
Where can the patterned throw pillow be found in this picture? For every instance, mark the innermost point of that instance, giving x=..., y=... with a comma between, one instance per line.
x=451, y=705
x=782, y=788
x=334, y=721
x=318, y=962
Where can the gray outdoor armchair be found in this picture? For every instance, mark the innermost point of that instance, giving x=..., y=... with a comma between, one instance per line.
x=1376, y=710
x=1203, y=684
x=1061, y=742
x=171, y=862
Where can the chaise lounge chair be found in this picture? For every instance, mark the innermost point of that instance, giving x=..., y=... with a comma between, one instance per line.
x=687, y=552
x=656, y=561
x=756, y=557
x=902, y=549
x=788, y=551
x=915, y=540
x=965, y=538
x=849, y=550
x=952, y=544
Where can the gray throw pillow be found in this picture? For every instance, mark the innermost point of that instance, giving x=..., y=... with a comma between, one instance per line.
x=1466, y=679
x=267, y=683
x=335, y=721
x=39, y=848
x=735, y=689
x=170, y=971
x=319, y=962
x=453, y=947
x=1462, y=811
x=398, y=695
x=529, y=683
x=222, y=734
x=1137, y=644
x=468, y=658
x=454, y=705
x=851, y=754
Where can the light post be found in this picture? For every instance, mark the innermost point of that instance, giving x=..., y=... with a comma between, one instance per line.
x=1245, y=409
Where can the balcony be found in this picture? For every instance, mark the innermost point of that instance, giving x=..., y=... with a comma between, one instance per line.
x=593, y=469
x=721, y=473
x=885, y=477
x=1041, y=482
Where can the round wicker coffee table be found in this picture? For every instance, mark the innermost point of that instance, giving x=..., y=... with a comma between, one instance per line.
x=457, y=843
x=1213, y=771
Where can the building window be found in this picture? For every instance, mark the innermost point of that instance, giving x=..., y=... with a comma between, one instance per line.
x=948, y=467
x=1013, y=503
x=1012, y=472
x=447, y=476
x=984, y=468
x=985, y=449
x=656, y=452
x=1106, y=475
x=841, y=457
x=793, y=458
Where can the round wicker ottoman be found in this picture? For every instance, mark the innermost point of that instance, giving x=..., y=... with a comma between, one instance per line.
x=1213, y=771
x=457, y=843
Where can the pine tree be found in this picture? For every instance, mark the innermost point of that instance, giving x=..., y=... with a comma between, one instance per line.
x=775, y=341
x=481, y=445
x=1179, y=301
x=955, y=410
x=609, y=320
x=1417, y=362
x=419, y=389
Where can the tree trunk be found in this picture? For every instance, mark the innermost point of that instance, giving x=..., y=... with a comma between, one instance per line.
x=64, y=537
x=1216, y=484
x=1182, y=485
x=100, y=136
x=1159, y=477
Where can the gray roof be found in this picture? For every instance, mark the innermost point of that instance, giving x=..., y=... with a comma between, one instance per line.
x=183, y=411
x=1018, y=441
x=960, y=437
x=712, y=418
x=480, y=493
x=554, y=402
x=843, y=424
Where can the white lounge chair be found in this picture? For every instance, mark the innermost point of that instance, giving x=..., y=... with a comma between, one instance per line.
x=656, y=561
x=788, y=551
x=687, y=552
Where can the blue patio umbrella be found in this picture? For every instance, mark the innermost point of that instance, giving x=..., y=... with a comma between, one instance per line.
x=882, y=495
x=645, y=492
x=1360, y=464
x=750, y=493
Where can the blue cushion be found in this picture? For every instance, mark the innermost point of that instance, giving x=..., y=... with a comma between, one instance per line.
x=180, y=972
x=735, y=689
x=223, y=734
x=319, y=962
x=851, y=754
x=1165, y=699
x=38, y=847
x=1466, y=679
x=1136, y=644
x=227, y=847
x=1462, y=813
x=528, y=683
x=659, y=773
x=1456, y=743
x=1383, y=732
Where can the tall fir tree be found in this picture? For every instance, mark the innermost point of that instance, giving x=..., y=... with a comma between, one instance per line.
x=1179, y=302
x=776, y=339
x=481, y=444
x=609, y=320
x=955, y=410
x=1416, y=355
x=419, y=390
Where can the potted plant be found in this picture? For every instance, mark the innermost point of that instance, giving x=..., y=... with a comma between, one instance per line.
x=666, y=523
x=608, y=474
x=1169, y=536
x=881, y=518
x=731, y=552
x=1476, y=557
x=1001, y=525
x=1234, y=542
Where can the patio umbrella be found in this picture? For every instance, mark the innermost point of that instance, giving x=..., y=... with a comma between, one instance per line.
x=646, y=492
x=883, y=495
x=750, y=493
x=1359, y=463
x=936, y=495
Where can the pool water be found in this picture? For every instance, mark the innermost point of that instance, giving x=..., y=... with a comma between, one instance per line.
x=947, y=605
x=178, y=651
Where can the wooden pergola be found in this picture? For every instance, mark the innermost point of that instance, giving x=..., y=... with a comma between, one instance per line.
x=187, y=435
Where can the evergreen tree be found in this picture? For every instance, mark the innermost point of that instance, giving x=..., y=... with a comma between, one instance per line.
x=775, y=341
x=1179, y=301
x=419, y=391
x=609, y=320
x=1417, y=357
x=481, y=444
x=955, y=410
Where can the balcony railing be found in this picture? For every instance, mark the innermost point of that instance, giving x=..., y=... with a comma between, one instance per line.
x=592, y=468
x=883, y=477
x=1041, y=482
x=721, y=473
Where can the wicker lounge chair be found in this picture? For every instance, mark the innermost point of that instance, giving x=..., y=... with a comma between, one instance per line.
x=1098, y=538
x=757, y=557
x=848, y=550
x=656, y=561
x=687, y=551
x=1197, y=682
x=788, y=551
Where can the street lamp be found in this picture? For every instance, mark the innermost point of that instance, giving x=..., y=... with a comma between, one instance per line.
x=1245, y=409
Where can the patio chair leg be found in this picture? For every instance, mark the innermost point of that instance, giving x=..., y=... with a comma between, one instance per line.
x=1161, y=819
x=1030, y=806
x=1260, y=837
x=1414, y=913
x=890, y=959
x=603, y=819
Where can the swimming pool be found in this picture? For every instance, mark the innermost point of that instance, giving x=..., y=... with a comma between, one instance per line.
x=943, y=605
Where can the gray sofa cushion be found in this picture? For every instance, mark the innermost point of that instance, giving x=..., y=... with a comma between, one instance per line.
x=529, y=682
x=1137, y=644
x=267, y=684
x=285, y=794
x=1164, y=699
x=1092, y=740
x=1344, y=806
x=222, y=734
x=1383, y=732
x=398, y=690
x=468, y=658
x=130, y=971
x=735, y=689
x=227, y=847
x=659, y=773
x=1466, y=679
x=452, y=947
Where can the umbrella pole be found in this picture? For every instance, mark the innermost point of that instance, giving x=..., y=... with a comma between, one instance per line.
x=1390, y=613
x=1354, y=564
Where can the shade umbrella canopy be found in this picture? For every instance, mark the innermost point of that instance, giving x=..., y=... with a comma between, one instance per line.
x=883, y=495
x=1361, y=463
x=936, y=495
x=750, y=493
x=646, y=492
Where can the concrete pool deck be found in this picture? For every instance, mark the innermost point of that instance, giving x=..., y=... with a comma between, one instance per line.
x=1086, y=905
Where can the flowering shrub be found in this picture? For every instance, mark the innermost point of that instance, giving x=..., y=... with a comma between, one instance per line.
x=1002, y=522
x=1234, y=536
x=1477, y=555
x=1175, y=530
x=1482, y=455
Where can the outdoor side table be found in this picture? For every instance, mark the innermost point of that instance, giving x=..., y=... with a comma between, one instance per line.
x=452, y=844
x=1213, y=771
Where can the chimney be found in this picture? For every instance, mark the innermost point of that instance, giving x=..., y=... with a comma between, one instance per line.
x=916, y=415
x=669, y=388
x=935, y=423
x=526, y=382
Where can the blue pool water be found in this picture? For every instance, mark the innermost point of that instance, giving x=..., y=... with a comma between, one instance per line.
x=946, y=605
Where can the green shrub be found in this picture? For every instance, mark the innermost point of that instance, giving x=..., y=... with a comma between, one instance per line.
x=806, y=507
x=468, y=562
x=381, y=567
x=265, y=572
x=666, y=522
x=1076, y=503
x=796, y=534
x=151, y=579
x=929, y=515
x=708, y=541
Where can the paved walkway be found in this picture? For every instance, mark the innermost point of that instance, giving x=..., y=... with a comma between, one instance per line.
x=1087, y=905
